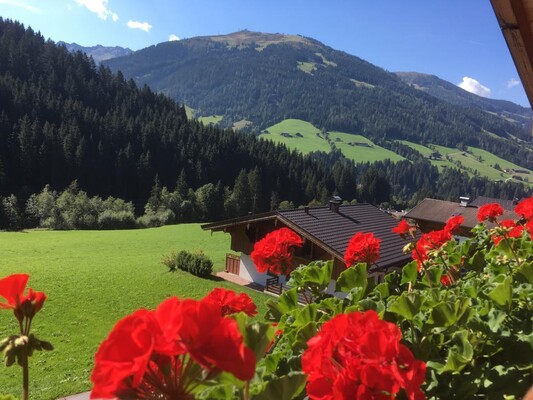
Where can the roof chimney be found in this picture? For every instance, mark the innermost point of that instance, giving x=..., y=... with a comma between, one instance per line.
x=334, y=203
x=464, y=201
x=306, y=209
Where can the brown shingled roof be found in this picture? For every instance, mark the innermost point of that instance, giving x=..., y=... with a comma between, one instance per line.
x=336, y=229
x=439, y=211
x=506, y=204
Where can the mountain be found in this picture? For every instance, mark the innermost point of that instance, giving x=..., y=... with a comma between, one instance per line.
x=259, y=79
x=99, y=53
x=63, y=119
x=451, y=93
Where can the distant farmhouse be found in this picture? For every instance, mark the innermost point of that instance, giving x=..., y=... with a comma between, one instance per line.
x=432, y=214
x=326, y=232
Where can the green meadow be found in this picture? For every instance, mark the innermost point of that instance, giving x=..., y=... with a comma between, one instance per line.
x=211, y=119
x=92, y=279
x=351, y=146
x=305, y=137
x=298, y=135
x=474, y=159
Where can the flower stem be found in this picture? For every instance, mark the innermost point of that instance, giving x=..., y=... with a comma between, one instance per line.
x=25, y=374
x=247, y=391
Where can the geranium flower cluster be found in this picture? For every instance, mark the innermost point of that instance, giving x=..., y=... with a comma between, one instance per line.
x=429, y=243
x=362, y=248
x=359, y=356
x=167, y=352
x=434, y=240
x=230, y=303
x=275, y=251
x=508, y=228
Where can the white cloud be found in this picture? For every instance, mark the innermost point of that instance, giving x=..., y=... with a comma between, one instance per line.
x=473, y=86
x=512, y=83
x=99, y=7
x=143, y=26
x=21, y=4
x=173, y=38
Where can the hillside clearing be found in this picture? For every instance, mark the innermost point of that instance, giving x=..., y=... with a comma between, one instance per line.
x=355, y=148
x=297, y=135
x=474, y=159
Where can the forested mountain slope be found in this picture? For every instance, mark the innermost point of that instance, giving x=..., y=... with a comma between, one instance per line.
x=62, y=118
x=265, y=78
x=451, y=93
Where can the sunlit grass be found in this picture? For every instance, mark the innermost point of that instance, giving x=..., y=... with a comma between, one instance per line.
x=92, y=279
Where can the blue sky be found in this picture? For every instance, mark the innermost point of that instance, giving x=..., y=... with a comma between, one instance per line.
x=457, y=40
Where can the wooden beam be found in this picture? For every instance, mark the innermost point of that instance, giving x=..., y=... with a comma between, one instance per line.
x=515, y=18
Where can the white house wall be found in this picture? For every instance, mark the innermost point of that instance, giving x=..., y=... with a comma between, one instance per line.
x=248, y=271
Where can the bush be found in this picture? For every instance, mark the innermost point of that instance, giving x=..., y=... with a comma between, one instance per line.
x=109, y=219
x=195, y=263
x=153, y=220
x=170, y=261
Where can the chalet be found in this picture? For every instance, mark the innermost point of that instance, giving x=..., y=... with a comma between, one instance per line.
x=508, y=205
x=432, y=214
x=325, y=230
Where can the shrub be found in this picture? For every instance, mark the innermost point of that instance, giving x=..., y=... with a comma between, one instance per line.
x=170, y=261
x=153, y=220
x=195, y=263
x=110, y=219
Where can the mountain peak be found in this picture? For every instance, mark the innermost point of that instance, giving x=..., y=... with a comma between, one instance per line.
x=261, y=39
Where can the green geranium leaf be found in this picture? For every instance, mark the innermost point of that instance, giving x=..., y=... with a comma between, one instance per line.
x=460, y=354
x=434, y=274
x=502, y=294
x=285, y=303
x=410, y=273
x=446, y=314
x=495, y=319
x=406, y=305
x=353, y=277
x=283, y=388
x=477, y=261
x=257, y=336
x=306, y=315
x=525, y=273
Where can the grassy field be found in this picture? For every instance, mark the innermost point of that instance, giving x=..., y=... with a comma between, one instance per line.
x=92, y=279
x=212, y=119
x=361, y=153
x=475, y=159
x=307, y=140
x=305, y=137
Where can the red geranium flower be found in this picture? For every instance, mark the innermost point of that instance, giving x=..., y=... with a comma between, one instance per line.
x=363, y=247
x=404, y=228
x=445, y=280
x=525, y=209
x=510, y=230
x=357, y=355
x=454, y=223
x=12, y=289
x=428, y=242
x=274, y=252
x=230, y=303
x=122, y=359
x=490, y=212
x=150, y=354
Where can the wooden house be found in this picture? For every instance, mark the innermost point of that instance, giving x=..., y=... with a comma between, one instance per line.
x=325, y=230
